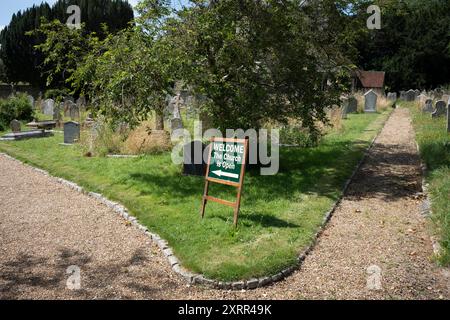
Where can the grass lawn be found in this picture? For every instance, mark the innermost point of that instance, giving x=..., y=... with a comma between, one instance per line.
x=279, y=216
x=434, y=142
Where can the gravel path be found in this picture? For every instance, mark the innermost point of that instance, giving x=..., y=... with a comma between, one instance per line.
x=46, y=227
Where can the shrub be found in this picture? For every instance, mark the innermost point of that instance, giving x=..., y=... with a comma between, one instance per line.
x=144, y=140
x=103, y=139
x=16, y=107
x=297, y=136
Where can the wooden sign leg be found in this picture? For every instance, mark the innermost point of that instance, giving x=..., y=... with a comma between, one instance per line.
x=205, y=194
x=238, y=207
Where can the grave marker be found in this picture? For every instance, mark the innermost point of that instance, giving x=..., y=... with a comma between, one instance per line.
x=370, y=104
x=441, y=109
x=15, y=126
x=71, y=132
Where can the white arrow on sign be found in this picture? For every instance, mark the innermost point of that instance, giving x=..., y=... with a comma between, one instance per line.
x=220, y=173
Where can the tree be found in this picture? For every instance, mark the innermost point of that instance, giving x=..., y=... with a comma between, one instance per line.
x=261, y=61
x=413, y=44
x=18, y=50
x=3, y=76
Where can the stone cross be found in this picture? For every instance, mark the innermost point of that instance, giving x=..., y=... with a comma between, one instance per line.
x=370, y=104
x=410, y=95
x=176, y=123
x=441, y=109
x=71, y=132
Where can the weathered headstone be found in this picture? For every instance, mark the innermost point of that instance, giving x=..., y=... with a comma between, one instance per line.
x=428, y=107
x=371, y=99
x=422, y=98
x=194, y=163
x=176, y=123
x=352, y=105
x=445, y=97
x=410, y=95
x=74, y=111
x=392, y=96
x=441, y=109
x=403, y=95
x=49, y=105
x=15, y=126
x=81, y=103
x=71, y=132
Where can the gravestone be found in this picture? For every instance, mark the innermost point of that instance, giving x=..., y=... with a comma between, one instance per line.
x=176, y=123
x=441, y=109
x=74, y=111
x=445, y=97
x=49, y=106
x=344, y=107
x=410, y=95
x=194, y=163
x=422, y=98
x=15, y=126
x=370, y=104
x=428, y=107
x=71, y=132
x=403, y=95
x=352, y=105
x=392, y=96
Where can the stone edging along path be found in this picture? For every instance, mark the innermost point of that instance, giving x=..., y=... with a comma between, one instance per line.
x=199, y=279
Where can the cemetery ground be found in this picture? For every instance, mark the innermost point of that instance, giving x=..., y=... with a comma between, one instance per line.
x=47, y=227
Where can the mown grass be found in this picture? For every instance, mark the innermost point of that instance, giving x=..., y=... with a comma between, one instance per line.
x=434, y=143
x=279, y=216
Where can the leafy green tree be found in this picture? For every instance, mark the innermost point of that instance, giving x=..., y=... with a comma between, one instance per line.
x=3, y=75
x=18, y=49
x=261, y=61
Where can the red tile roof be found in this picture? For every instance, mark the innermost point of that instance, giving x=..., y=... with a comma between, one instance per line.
x=371, y=79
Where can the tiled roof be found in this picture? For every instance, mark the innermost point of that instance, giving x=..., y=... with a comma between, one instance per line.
x=371, y=79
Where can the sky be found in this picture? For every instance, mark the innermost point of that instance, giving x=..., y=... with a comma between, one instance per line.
x=8, y=7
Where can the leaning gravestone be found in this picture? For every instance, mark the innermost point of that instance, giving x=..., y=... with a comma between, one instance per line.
x=428, y=108
x=49, y=105
x=410, y=95
x=441, y=109
x=352, y=105
x=15, y=126
x=71, y=132
x=392, y=96
x=194, y=163
x=370, y=104
x=422, y=98
x=176, y=123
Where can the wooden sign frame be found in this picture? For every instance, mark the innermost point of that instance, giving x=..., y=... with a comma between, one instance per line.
x=206, y=197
